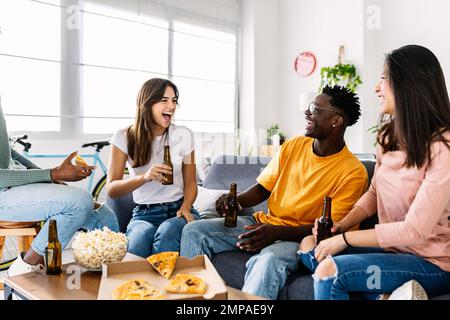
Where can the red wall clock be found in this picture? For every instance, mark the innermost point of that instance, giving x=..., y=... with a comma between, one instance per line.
x=305, y=64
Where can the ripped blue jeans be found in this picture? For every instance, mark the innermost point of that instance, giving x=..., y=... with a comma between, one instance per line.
x=373, y=271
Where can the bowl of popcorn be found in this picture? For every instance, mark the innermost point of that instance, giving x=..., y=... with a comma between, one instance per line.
x=94, y=248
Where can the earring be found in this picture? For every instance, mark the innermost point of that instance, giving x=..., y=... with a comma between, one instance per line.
x=334, y=126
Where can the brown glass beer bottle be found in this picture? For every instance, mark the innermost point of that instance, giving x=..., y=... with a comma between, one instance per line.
x=325, y=221
x=232, y=212
x=53, y=250
x=168, y=162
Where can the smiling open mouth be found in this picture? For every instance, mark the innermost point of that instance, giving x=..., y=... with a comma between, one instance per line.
x=309, y=124
x=167, y=116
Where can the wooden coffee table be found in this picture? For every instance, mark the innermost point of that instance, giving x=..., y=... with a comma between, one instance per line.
x=40, y=286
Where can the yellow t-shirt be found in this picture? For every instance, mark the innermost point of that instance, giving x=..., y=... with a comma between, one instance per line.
x=299, y=180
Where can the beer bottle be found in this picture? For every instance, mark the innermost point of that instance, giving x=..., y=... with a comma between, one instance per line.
x=232, y=212
x=53, y=250
x=167, y=162
x=325, y=222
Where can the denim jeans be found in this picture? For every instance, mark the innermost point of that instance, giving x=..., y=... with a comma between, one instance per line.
x=266, y=271
x=71, y=207
x=372, y=271
x=156, y=229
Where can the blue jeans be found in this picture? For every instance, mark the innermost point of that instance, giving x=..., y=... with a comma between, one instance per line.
x=372, y=271
x=71, y=207
x=156, y=229
x=266, y=272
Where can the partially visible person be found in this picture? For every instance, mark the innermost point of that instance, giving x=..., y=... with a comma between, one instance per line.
x=163, y=210
x=409, y=190
x=295, y=181
x=28, y=193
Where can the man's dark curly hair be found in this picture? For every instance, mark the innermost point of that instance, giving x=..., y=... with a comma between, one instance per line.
x=346, y=100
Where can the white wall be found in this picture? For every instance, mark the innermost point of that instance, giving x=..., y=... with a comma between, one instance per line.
x=321, y=26
x=403, y=22
x=259, y=94
x=274, y=32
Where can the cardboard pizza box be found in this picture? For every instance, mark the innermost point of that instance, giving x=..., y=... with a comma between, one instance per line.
x=114, y=274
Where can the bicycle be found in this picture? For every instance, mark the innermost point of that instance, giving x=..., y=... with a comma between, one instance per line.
x=98, y=192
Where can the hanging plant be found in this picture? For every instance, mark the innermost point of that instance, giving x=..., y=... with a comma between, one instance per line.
x=343, y=74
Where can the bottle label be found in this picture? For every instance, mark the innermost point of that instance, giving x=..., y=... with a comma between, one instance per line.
x=50, y=254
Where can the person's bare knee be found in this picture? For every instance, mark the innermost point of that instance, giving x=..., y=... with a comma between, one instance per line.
x=308, y=243
x=326, y=269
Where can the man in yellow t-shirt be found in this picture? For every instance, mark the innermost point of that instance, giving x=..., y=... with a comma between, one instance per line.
x=300, y=175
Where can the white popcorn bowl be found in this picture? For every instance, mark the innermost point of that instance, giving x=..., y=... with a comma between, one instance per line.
x=92, y=251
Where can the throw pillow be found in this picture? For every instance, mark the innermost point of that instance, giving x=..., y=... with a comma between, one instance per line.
x=205, y=203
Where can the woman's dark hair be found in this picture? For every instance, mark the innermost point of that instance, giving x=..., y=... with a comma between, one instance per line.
x=422, y=106
x=139, y=135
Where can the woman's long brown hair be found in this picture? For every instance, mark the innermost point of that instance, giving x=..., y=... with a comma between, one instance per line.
x=422, y=106
x=139, y=135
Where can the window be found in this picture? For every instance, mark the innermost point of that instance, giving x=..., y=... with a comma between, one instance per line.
x=119, y=56
x=205, y=69
x=30, y=71
x=90, y=76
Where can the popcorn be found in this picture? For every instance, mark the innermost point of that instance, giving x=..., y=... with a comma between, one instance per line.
x=94, y=248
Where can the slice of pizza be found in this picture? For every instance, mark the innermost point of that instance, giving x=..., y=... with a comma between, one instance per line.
x=79, y=161
x=137, y=290
x=164, y=262
x=186, y=283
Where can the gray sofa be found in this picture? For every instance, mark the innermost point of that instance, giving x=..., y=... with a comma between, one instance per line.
x=231, y=265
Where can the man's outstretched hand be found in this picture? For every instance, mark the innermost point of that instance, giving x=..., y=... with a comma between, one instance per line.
x=260, y=236
x=68, y=172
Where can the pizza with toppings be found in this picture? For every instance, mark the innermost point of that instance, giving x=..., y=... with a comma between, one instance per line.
x=164, y=262
x=137, y=290
x=186, y=283
x=79, y=161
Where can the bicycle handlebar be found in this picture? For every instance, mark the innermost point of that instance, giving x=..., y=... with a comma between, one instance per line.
x=19, y=140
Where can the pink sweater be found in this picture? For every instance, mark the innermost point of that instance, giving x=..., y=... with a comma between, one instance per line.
x=413, y=204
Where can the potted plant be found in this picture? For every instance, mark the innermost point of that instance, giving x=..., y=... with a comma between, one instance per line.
x=343, y=74
x=274, y=129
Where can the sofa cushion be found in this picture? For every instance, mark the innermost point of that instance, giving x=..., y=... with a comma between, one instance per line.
x=231, y=267
x=236, y=169
x=205, y=203
x=298, y=286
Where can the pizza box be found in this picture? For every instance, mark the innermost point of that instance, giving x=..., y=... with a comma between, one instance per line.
x=114, y=274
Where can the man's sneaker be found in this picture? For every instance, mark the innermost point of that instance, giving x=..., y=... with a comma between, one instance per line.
x=20, y=267
x=411, y=290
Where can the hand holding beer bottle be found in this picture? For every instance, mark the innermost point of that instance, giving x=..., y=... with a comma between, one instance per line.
x=222, y=205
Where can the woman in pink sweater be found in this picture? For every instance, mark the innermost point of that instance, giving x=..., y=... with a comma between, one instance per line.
x=410, y=191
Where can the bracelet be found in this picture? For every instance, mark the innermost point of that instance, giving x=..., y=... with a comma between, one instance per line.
x=346, y=242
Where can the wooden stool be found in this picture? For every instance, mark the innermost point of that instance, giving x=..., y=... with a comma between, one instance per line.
x=24, y=233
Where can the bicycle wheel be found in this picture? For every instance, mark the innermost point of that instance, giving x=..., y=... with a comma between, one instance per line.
x=9, y=253
x=6, y=264
x=99, y=192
